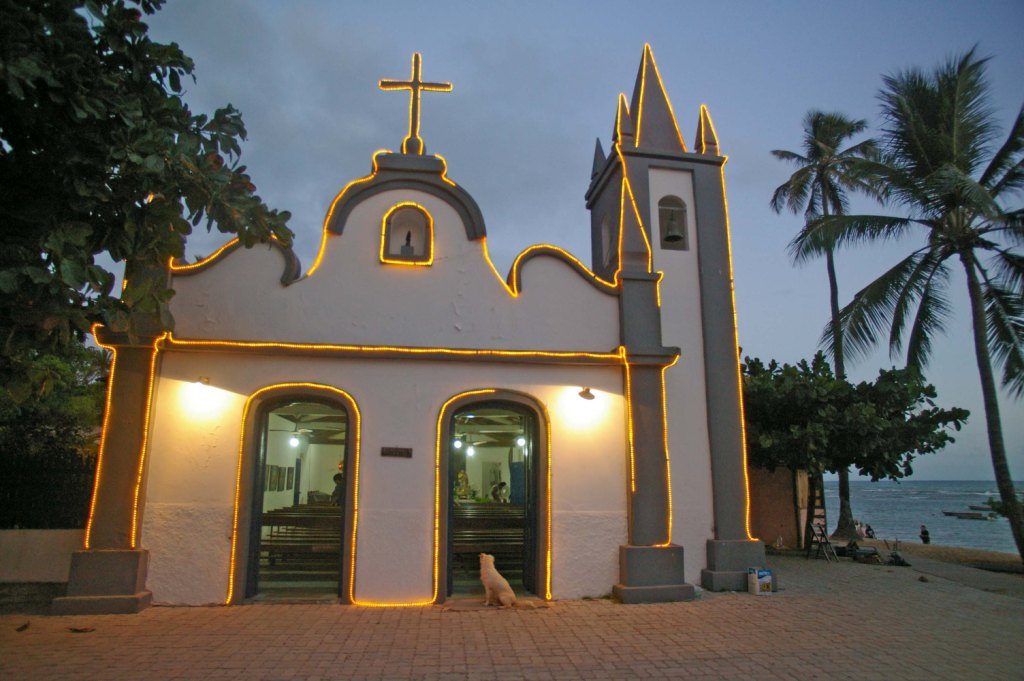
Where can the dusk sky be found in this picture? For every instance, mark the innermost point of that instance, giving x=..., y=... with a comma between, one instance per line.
x=536, y=82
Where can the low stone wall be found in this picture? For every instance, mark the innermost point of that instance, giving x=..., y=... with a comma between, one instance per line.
x=37, y=555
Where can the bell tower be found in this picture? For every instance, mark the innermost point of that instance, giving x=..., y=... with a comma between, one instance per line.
x=660, y=230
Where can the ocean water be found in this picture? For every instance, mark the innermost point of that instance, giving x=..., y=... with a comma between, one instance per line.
x=896, y=510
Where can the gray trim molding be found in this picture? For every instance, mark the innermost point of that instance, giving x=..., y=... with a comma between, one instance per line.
x=405, y=171
x=515, y=275
x=292, y=266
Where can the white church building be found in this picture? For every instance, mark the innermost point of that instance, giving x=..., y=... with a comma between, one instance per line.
x=362, y=429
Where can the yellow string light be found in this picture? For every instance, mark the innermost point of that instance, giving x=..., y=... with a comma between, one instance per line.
x=350, y=402
x=668, y=458
x=325, y=231
x=429, y=237
x=145, y=438
x=739, y=372
x=550, y=248
x=643, y=85
x=87, y=537
x=629, y=419
x=404, y=350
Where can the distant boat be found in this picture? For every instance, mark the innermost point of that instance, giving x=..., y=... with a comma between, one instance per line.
x=980, y=508
x=967, y=515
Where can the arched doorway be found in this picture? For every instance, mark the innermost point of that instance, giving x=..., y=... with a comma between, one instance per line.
x=497, y=463
x=297, y=534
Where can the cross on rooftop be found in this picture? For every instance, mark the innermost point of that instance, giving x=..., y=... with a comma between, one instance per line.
x=413, y=144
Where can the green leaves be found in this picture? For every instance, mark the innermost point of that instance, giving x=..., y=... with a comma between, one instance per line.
x=100, y=155
x=802, y=417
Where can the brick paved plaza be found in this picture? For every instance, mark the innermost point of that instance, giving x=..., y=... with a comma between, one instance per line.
x=837, y=621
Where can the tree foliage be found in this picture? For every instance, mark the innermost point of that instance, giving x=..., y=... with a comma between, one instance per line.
x=802, y=416
x=99, y=155
x=48, y=444
x=957, y=182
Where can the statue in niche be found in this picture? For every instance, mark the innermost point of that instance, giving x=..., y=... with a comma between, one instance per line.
x=407, y=248
x=462, y=490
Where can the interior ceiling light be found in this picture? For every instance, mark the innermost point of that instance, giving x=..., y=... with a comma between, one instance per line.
x=521, y=441
x=470, y=450
x=457, y=443
x=586, y=394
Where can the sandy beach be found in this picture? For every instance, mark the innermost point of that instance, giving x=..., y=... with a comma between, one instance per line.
x=986, y=560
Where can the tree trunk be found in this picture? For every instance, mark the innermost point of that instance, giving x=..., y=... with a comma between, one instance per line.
x=1004, y=481
x=846, y=528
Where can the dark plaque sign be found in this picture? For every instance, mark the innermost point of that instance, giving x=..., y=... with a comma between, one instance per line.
x=400, y=452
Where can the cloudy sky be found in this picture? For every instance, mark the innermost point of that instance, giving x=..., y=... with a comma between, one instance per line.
x=536, y=82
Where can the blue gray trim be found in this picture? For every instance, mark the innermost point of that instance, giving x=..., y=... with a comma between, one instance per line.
x=292, y=266
x=405, y=171
x=515, y=276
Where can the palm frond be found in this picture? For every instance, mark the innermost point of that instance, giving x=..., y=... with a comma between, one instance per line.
x=1007, y=156
x=938, y=118
x=932, y=313
x=870, y=312
x=930, y=265
x=1011, y=181
x=794, y=192
x=1010, y=225
x=1009, y=270
x=794, y=157
x=831, y=232
x=1004, y=318
x=958, y=190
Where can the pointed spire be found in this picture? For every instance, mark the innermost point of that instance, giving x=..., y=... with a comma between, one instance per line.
x=706, y=140
x=599, y=158
x=623, y=132
x=656, y=126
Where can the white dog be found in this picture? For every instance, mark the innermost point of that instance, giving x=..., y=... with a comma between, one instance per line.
x=496, y=586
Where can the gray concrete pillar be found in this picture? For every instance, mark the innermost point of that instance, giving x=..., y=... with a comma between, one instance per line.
x=109, y=576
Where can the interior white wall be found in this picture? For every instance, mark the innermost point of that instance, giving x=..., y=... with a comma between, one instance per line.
x=194, y=449
x=319, y=467
x=476, y=465
x=279, y=453
x=456, y=302
x=685, y=387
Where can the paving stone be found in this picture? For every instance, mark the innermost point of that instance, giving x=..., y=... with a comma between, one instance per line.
x=831, y=621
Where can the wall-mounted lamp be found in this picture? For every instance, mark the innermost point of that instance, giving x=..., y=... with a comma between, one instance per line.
x=470, y=450
x=293, y=441
x=586, y=394
x=521, y=441
x=457, y=443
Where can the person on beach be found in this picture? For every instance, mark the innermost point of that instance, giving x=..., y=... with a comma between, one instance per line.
x=925, y=537
x=869, y=532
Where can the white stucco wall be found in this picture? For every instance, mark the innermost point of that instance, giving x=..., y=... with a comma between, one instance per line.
x=353, y=298
x=685, y=389
x=194, y=448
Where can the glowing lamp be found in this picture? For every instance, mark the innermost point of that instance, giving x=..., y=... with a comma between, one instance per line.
x=470, y=450
x=293, y=441
x=457, y=443
x=521, y=441
x=586, y=394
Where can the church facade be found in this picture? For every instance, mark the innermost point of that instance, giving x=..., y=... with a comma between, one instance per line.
x=363, y=429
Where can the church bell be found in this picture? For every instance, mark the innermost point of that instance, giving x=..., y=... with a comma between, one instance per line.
x=673, y=232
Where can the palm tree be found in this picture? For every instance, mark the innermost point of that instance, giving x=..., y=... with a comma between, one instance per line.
x=819, y=188
x=941, y=166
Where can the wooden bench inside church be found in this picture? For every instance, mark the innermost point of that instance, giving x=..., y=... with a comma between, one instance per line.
x=497, y=529
x=301, y=544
